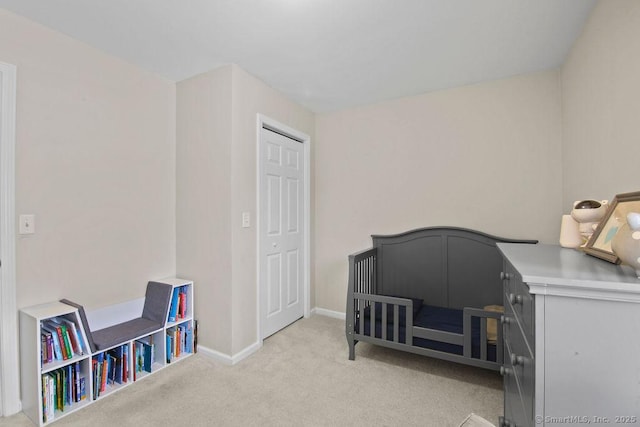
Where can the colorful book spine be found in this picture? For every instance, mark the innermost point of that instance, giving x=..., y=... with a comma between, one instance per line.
x=195, y=336
x=57, y=351
x=67, y=341
x=45, y=399
x=134, y=361
x=51, y=389
x=74, y=337
x=183, y=302
x=63, y=348
x=105, y=373
x=125, y=363
x=169, y=349
x=83, y=389
x=76, y=383
x=173, y=309
x=94, y=377
x=62, y=388
x=44, y=358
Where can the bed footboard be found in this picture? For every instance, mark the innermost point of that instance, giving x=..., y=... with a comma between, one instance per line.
x=382, y=318
x=484, y=315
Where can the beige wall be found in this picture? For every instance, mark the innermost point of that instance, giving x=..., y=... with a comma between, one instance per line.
x=601, y=105
x=95, y=162
x=485, y=157
x=203, y=201
x=217, y=119
x=250, y=97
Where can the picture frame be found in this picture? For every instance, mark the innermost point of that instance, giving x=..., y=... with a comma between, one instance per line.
x=599, y=244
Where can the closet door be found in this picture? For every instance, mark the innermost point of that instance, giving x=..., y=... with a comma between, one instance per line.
x=282, y=245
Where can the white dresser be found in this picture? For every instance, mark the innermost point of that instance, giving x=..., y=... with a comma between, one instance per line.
x=572, y=339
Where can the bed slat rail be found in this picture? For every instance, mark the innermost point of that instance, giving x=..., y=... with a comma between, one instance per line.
x=436, y=335
x=468, y=314
x=365, y=300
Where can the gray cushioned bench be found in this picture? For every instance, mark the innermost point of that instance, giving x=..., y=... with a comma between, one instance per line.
x=156, y=306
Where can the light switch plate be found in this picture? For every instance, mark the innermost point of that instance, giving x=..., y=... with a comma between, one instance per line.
x=246, y=220
x=27, y=224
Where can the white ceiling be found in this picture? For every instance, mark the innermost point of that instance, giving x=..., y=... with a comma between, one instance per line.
x=327, y=54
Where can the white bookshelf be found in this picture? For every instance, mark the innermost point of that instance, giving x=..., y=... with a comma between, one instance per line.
x=33, y=368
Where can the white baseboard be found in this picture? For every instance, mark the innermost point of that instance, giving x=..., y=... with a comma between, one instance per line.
x=329, y=313
x=227, y=359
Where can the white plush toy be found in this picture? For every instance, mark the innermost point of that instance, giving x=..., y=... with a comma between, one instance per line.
x=588, y=214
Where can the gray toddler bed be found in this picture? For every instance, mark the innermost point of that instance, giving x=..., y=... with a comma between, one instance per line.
x=425, y=292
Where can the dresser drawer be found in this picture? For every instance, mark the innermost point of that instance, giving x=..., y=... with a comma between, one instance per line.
x=514, y=412
x=522, y=303
x=520, y=363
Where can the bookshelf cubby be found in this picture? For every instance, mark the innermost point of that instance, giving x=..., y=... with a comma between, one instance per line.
x=57, y=382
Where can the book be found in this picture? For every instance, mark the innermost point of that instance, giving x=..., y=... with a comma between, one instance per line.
x=190, y=337
x=75, y=337
x=105, y=373
x=135, y=360
x=67, y=341
x=70, y=384
x=148, y=356
x=51, y=393
x=139, y=356
x=83, y=389
x=195, y=336
x=125, y=363
x=44, y=357
x=183, y=302
x=169, y=345
x=57, y=351
x=57, y=375
x=117, y=364
x=77, y=383
x=94, y=377
x=58, y=330
x=45, y=398
x=173, y=309
x=62, y=388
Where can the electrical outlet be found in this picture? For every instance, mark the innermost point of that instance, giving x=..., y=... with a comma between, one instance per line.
x=27, y=224
x=246, y=220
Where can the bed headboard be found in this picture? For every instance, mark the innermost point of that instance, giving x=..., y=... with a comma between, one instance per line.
x=445, y=266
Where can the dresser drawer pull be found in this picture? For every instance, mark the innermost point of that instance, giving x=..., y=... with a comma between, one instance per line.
x=504, y=276
x=505, y=423
x=515, y=299
x=504, y=371
x=517, y=360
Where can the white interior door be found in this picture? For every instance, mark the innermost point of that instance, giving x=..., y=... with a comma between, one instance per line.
x=282, y=231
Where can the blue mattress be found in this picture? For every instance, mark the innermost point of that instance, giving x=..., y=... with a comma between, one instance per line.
x=432, y=317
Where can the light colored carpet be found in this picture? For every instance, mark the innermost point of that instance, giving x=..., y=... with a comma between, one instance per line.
x=301, y=377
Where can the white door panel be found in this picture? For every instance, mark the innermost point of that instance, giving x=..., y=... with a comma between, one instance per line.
x=282, y=237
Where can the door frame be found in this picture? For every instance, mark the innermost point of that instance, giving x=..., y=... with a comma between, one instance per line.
x=305, y=140
x=9, y=365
